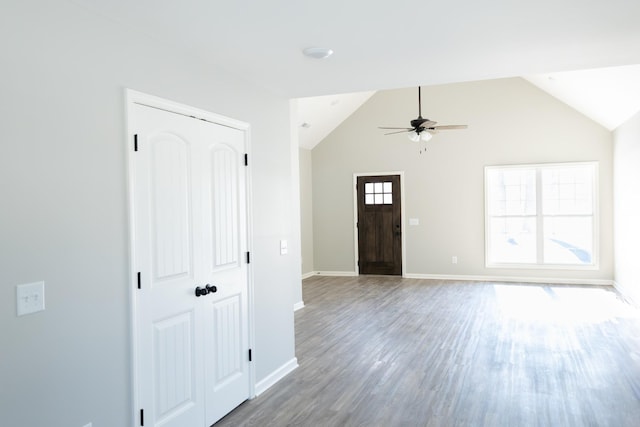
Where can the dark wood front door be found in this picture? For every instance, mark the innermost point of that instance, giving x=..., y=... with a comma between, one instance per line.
x=379, y=225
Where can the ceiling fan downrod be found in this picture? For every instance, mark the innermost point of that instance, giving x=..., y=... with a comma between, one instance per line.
x=415, y=123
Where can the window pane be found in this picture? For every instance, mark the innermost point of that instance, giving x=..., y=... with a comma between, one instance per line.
x=378, y=199
x=566, y=214
x=387, y=187
x=387, y=199
x=512, y=240
x=512, y=191
x=368, y=187
x=368, y=199
x=377, y=187
x=568, y=240
x=568, y=190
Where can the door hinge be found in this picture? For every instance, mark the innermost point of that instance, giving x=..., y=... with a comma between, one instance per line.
x=248, y=257
x=139, y=281
x=142, y=417
x=135, y=142
x=246, y=159
x=250, y=358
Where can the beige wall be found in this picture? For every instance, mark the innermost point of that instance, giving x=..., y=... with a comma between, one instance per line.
x=510, y=122
x=627, y=207
x=306, y=210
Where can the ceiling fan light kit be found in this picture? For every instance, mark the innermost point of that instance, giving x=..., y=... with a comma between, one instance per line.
x=422, y=136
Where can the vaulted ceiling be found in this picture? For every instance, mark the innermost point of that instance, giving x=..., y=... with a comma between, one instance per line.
x=609, y=96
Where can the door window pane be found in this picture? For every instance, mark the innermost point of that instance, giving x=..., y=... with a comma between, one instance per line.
x=378, y=193
x=368, y=187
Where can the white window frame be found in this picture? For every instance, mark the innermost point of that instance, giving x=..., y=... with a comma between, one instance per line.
x=595, y=260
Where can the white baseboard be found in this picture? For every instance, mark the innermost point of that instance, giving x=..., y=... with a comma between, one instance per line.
x=517, y=279
x=264, y=384
x=309, y=274
x=627, y=295
x=337, y=273
x=462, y=277
x=297, y=306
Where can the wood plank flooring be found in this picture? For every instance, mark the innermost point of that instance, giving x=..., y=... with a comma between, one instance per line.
x=385, y=351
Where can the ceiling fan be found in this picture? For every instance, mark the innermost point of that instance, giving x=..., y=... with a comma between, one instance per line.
x=422, y=129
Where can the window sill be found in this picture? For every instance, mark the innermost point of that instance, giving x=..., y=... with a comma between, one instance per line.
x=586, y=267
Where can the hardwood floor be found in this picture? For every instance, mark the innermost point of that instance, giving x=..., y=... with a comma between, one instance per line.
x=385, y=351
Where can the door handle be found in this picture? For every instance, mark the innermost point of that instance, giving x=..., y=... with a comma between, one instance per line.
x=208, y=289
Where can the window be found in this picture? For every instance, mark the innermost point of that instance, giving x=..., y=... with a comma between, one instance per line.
x=541, y=215
x=378, y=193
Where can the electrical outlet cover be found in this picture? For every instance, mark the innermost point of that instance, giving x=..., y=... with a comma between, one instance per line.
x=29, y=298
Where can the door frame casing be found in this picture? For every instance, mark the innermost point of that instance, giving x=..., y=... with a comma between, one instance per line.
x=132, y=98
x=354, y=187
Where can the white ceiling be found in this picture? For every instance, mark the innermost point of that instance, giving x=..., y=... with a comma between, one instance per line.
x=609, y=96
x=386, y=45
x=318, y=116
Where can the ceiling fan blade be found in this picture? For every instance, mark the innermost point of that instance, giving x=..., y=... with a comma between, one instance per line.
x=399, y=131
x=382, y=127
x=427, y=123
x=442, y=127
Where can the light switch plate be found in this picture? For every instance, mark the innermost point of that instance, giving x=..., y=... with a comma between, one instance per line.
x=29, y=298
x=283, y=247
x=414, y=221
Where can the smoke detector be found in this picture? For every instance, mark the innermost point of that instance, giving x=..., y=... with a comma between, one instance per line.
x=318, y=52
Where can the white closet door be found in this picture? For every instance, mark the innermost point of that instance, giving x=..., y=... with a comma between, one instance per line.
x=190, y=231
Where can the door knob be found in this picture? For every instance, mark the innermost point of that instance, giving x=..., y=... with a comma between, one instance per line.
x=200, y=291
x=211, y=289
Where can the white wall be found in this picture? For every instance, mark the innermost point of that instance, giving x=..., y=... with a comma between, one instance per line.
x=510, y=121
x=626, y=180
x=306, y=210
x=294, y=244
x=63, y=217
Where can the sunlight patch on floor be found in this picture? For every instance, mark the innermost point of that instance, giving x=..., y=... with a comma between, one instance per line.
x=564, y=304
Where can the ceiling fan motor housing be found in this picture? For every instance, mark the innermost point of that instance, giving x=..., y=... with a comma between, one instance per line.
x=416, y=124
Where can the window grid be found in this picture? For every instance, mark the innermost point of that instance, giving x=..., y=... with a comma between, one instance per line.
x=541, y=215
x=378, y=193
